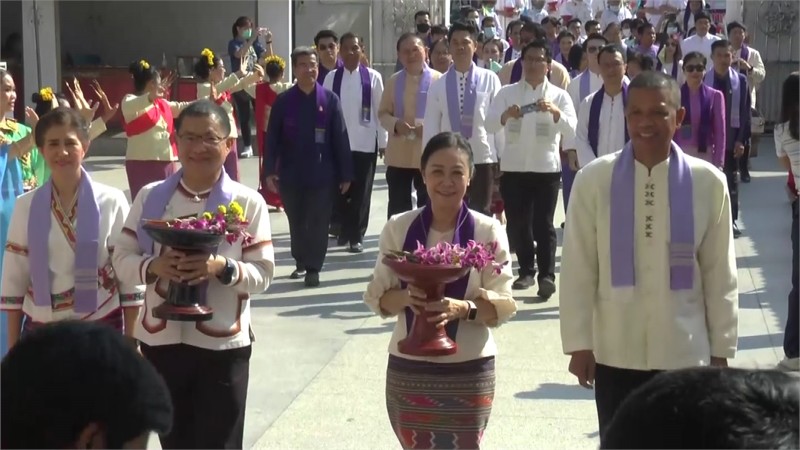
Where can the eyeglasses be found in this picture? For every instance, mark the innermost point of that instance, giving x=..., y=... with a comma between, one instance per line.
x=327, y=47
x=694, y=68
x=207, y=141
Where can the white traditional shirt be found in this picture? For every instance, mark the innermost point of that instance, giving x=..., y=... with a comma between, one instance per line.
x=649, y=326
x=254, y=267
x=532, y=142
x=362, y=136
x=474, y=339
x=577, y=9
x=112, y=293
x=437, y=117
x=609, y=17
x=680, y=5
x=786, y=145
x=574, y=88
x=611, y=133
x=696, y=43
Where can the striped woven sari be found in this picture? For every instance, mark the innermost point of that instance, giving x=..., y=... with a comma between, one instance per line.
x=439, y=406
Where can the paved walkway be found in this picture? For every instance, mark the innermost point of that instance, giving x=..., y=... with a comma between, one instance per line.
x=317, y=371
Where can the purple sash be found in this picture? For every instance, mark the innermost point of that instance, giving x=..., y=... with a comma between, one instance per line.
x=160, y=195
x=461, y=121
x=87, y=243
x=594, y=116
x=660, y=65
x=422, y=93
x=681, y=220
x=745, y=54
x=292, y=122
x=366, y=91
x=323, y=71
x=705, y=113
x=564, y=62
x=686, y=15
x=586, y=84
x=509, y=55
x=516, y=71
x=736, y=93
x=418, y=232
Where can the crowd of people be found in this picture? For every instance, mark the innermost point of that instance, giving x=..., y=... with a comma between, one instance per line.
x=641, y=120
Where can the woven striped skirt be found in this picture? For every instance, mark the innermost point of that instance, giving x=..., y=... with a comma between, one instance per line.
x=114, y=319
x=439, y=406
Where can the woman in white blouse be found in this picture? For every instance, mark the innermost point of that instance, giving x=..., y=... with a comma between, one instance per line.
x=787, y=145
x=459, y=387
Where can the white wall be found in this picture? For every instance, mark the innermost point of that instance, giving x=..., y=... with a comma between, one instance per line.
x=121, y=32
x=312, y=16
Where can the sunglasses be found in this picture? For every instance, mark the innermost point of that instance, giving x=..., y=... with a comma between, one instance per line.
x=694, y=68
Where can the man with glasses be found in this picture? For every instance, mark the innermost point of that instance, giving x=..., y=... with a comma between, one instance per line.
x=327, y=45
x=512, y=71
x=360, y=90
x=735, y=88
x=534, y=115
x=601, y=126
x=308, y=162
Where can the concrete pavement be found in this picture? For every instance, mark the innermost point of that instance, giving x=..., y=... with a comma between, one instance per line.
x=317, y=371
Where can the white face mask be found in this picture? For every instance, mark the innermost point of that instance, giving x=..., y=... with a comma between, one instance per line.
x=626, y=32
x=672, y=30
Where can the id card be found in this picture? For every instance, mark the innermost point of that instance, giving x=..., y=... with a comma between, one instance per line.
x=319, y=135
x=366, y=114
x=544, y=125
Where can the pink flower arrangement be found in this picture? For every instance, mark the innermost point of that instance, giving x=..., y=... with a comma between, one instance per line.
x=226, y=220
x=475, y=255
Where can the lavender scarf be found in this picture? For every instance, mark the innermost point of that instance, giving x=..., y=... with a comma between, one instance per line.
x=705, y=94
x=681, y=220
x=736, y=93
x=418, y=232
x=160, y=195
x=462, y=120
x=422, y=93
x=86, y=246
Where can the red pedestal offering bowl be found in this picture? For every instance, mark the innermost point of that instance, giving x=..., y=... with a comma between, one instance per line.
x=425, y=339
x=184, y=302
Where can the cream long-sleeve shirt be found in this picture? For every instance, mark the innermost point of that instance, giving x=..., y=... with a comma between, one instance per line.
x=756, y=77
x=648, y=326
x=474, y=339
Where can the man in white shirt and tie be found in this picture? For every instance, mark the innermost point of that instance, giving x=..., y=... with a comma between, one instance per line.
x=459, y=102
x=601, y=116
x=360, y=89
x=648, y=269
x=701, y=40
x=534, y=114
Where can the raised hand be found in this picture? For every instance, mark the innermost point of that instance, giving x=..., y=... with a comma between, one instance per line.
x=79, y=93
x=108, y=110
x=31, y=118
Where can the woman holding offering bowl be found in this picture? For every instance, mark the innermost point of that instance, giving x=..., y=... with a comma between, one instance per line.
x=444, y=401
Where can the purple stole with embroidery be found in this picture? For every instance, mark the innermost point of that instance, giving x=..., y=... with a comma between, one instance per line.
x=366, y=91
x=422, y=93
x=706, y=94
x=87, y=244
x=292, y=123
x=594, y=116
x=159, y=197
x=681, y=220
x=736, y=93
x=463, y=233
x=461, y=120
x=745, y=55
x=509, y=55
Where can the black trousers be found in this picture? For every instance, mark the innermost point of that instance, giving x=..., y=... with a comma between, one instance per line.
x=744, y=160
x=244, y=111
x=400, y=180
x=309, y=214
x=611, y=386
x=731, y=169
x=791, y=334
x=209, y=394
x=530, y=200
x=479, y=194
x=356, y=201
